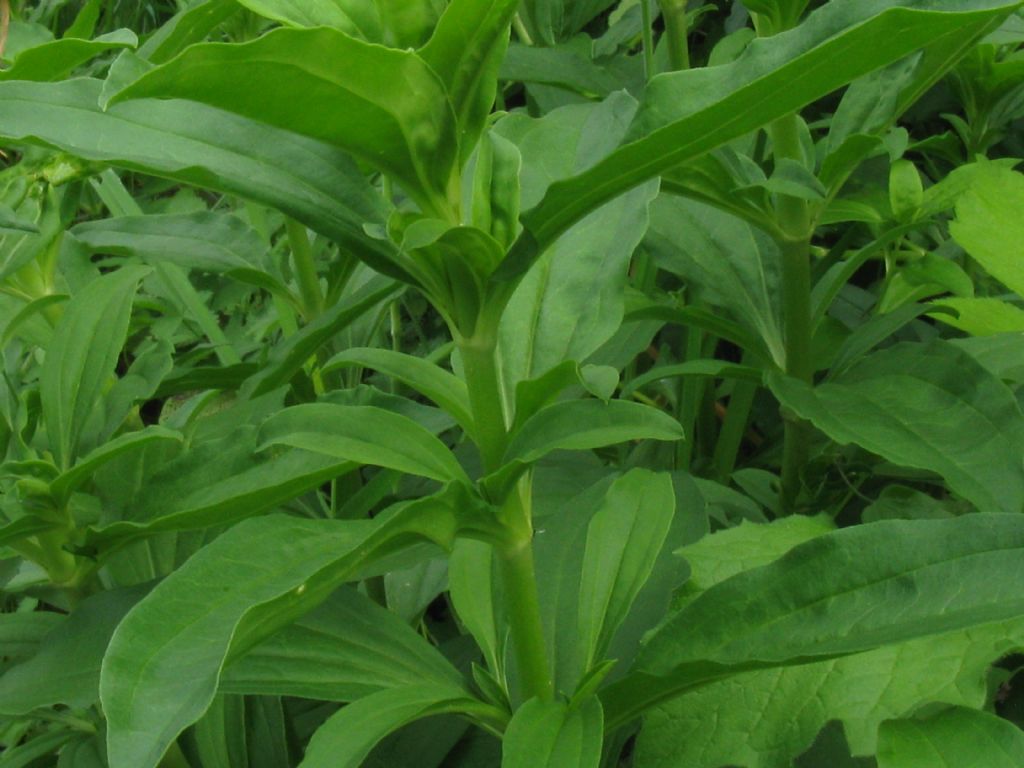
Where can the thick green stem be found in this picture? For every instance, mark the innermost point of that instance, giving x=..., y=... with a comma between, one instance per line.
x=515, y=553
x=795, y=222
x=677, y=30
x=305, y=270
x=647, y=32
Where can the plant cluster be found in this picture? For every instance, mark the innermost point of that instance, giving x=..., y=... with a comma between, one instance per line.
x=520, y=383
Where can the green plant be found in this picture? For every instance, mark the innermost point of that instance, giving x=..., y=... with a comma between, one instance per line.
x=266, y=548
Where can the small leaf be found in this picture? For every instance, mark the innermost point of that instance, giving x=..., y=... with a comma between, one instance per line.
x=56, y=59
x=547, y=734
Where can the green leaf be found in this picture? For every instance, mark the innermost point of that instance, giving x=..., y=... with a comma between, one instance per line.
x=310, y=181
x=364, y=434
x=192, y=25
x=386, y=107
x=705, y=729
x=465, y=51
x=685, y=114
x=57, y=59
x=444, y=388
x=889, y=401
x=716, y=369
x=955, y=737
x=472, y=586
x=408, y=23
x=81, y=358
x=207, y=241
x=232, y=594
x=65, y=484
x=577, y=425
x=980, y=317
x=346, y=649
x=21, y=633
x=624, y=538
x=288, y=358
x=878, y=592
x=355, y=17
x=548, y=734
x=66, y=670
x=989, y=227
x=347, y=737
x=730, y=264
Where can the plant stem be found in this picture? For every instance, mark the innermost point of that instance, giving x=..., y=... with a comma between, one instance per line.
x=515, y=554
x=795, y=222
x=305, y=269
x=647, y=31
x=677, y=30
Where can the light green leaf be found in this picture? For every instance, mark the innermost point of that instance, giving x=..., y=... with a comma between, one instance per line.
x=955, y=738
x=878, y=592
x=56, y=59
x=364, y=434
x=989, y=227
x=444, y=388
x=928, y=406
x=624, y=539
x=347, y=737
x=346, y=649
x=82, y=356
x=355, y=17
x=730, y=264
x=980, y=316
x=66, y=670
x=548, y=734
x=686, y=114
x=471, y=584
x=328, y=86
x=207, y=241
x=232, y=594
x=191, y=25
x=69, y=481
x=408, y=23
x=312, y=182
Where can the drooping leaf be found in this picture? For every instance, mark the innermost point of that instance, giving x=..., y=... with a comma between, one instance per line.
x=686, y=114
x=928, y=406
x=955, y=737
x=56, y=59
x=346, y=649
x=878, y=591
x=326, y=85
x=364, y=434
x=232, y=594
x=82, y=357
x=314, y=183
x=548, y=734
x=192, y=24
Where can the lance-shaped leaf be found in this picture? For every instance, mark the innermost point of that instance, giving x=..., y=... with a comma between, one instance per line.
x=347, y=737
x=444, y=388
x=845, y=592
x=955, y=737
x=550, y=734
x=386, y=107
x=576, y=425
x=346, y=649
x=465, y=50
x=312, y=182
x=231, y=595
x=365, y=434
x=928, y=406
x=57, y=58
x=192, y=25
x=685, y=114
x=82, y=356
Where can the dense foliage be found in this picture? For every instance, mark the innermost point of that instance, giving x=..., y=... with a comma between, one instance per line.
x=470, y=383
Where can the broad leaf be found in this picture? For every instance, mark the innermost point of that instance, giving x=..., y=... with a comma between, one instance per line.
x=232, y=594
x=928, y=406
x=356, y=17
x=346, y=649
x=686, y=114
x=548, y=734
x=878, y=590
x=56, y=59
x=989, y=227
x=334, y=88
x=624, y=539
x=82, y=357
x=363, y=434
x=313, y=182
x=955, y=737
